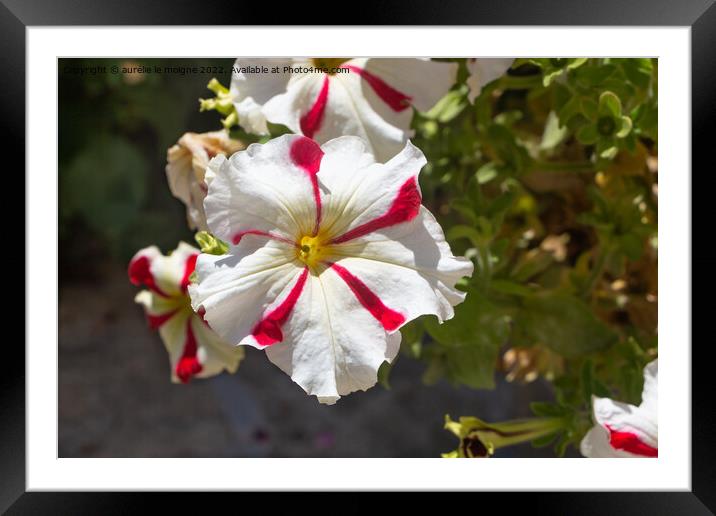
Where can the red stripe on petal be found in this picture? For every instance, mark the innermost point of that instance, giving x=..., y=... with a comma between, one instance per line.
x=405, y=207
x=202, y=313
x=189, y=266
x=396, y=100
x=307, y=154
x=311, y=121
x=156, y=321
x=188, y=364
x=631, y=443
x=140, y=274
x=388, y=318
x=268, y=330
x=238, y=236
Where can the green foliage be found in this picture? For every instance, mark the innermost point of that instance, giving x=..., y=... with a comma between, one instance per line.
x=468, y=345
x=548, y=183
x=563, y=323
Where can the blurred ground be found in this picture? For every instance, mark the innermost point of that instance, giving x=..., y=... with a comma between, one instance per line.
x=115, y=398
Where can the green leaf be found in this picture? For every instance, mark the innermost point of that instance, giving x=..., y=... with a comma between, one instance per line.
x=638, y=71
x=448, y=107
x=470, y=342
x=545, y=409
x=625, y=127
x=384, y=374
x=563, y=323
x=487, y=173
x=509, y=287
x=609, y=104
x=587, y=134
x=592, y=76
x=609, y=153
x=463, y=231
x=545, y=440
x=590, y=108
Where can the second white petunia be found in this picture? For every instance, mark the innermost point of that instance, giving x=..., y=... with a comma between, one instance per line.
x=624, y=430
x=331, y=253
x=370, y=98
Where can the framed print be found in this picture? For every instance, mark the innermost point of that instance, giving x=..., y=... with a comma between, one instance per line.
x=250, y=258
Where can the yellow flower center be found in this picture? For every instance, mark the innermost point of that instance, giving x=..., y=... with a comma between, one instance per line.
x=311, y=249
x=328, y=62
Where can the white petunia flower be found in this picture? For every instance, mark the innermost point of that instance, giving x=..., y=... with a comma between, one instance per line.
x=372, y=100
x=194, y=349
x=331, y=253
x=623, y=430
x=483, y=71
x=186, y=164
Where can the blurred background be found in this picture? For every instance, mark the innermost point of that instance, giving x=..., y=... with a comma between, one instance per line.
x=115, y=395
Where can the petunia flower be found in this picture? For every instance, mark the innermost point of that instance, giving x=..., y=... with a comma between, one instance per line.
x=186, y=164
x=194, y=349
x=623, y=430
x=370, y=98
x=330, y=254
x=483, y=71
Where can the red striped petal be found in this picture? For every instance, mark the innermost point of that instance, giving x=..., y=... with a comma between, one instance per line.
x=396, y=100
x=140, y=274
x=307, y=154
x=189, y=266
x=156, y=321
x=268, y=330
x=388, y=318
x=631, y=443
x=311, y=121
x=405, y=207
x=188, y=364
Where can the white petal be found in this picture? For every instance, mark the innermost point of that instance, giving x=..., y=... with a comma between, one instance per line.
x=155, y=305
x=236, y=288
x=650, y=393
x=353, y=107
x=262, y=189
x=214, y=354
x=173, y=333
x=368, y=193
x=622, y=417
x=332, y=345
x=410, y=267
x=166, y=275
x=483, y=71
x=252, y=90
x=300, y=95
x=423, y=80
x=350, y=112
x=420, y=81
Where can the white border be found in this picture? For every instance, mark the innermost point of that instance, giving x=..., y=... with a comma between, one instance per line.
x=670, y=471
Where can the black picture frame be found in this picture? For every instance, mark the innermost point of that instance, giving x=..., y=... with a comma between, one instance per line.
x=699, y=15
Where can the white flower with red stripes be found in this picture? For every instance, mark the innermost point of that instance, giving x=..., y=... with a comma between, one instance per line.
x=330, y=254
x=194, y=349
x=372, y=98
x=623, y=430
